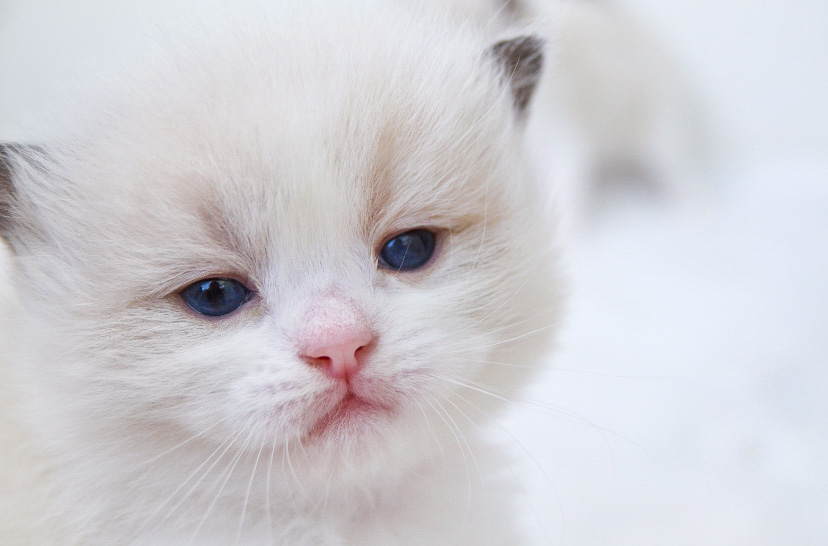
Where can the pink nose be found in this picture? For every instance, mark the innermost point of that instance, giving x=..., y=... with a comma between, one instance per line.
x=340, y=354
x=335, y=337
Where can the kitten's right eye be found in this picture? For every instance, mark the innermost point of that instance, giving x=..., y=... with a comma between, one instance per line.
x=215, y=297
x=408, y=251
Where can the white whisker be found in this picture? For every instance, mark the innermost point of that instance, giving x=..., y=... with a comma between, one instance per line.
x=521, y=336
x=487, y=334
x=292, y=470
x=228, y=442
x=444, y=415
x=267, y=494
x=537, y=405
x=518, y=481
x=537, y=465
x=234, y=461
x=247, y=493
x=462, y=436
x=326, y=493
x=431, y=430
x=567, y=370
x=506, y=364
x=179, y=445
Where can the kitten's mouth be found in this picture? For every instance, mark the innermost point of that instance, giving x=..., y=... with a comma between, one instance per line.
x=350, y=416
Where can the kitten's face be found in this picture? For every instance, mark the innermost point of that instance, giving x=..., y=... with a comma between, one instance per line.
x=279, y=193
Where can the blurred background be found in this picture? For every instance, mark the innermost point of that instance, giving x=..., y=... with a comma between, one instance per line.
x=687, y=400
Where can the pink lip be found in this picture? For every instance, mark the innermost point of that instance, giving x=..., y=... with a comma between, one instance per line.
x=351, y=413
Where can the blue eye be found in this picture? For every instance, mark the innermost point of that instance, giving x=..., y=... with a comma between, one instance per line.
x=407, y=251
x=215, y=297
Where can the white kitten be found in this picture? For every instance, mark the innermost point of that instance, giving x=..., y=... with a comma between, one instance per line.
x=265, y=278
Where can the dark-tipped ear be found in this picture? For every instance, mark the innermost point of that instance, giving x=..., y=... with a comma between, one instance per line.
x=14, y=157
x=6, y=189
x=521, y=61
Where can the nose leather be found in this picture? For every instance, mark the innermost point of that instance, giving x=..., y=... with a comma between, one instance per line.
x=334, y=336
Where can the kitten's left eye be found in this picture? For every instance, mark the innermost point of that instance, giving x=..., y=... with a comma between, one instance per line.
x=410, y=250
x=215, y=297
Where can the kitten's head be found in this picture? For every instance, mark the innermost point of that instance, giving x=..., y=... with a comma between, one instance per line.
x=289, y=234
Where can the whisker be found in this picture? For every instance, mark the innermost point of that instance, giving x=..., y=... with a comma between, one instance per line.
x=228, y=442
x=538, y=466
x=284, y=470
x=292, y=470
x=325, y=494
x=508, y=365
x=247, y=493
x=454, y=334
x=232, y=465
x=488, y=333
x=178, y=445
x=443, y=414
x=518, y=481
x=500, y=395
x=431, y=430
x=521, y=336
x=568, y=370
x=267, y=494
x=462, y=436
x=536, y=405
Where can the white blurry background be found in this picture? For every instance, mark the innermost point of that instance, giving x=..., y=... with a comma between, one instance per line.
x=692, y=372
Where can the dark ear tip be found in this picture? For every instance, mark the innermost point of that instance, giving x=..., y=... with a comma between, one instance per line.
x=528, y=43
x=6, y=187
x=14, y=160
x=5, y=170
x=521, y=62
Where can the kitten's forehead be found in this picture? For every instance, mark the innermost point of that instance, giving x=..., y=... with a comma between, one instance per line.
x=330, y=143
x=249, y=153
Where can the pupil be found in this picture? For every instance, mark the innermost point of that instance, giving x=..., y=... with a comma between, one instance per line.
x=214, y=291
x=413, y=245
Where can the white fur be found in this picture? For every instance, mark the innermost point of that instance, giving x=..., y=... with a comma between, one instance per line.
x=282, y=149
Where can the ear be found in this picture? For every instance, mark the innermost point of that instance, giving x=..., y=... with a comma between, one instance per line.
x=15, y=159
x=6, y=189
x=520, y=61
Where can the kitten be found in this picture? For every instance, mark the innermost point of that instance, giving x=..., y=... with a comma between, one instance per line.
x=264, y=281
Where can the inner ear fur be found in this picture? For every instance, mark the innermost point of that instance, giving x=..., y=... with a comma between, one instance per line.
x=520, y=60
